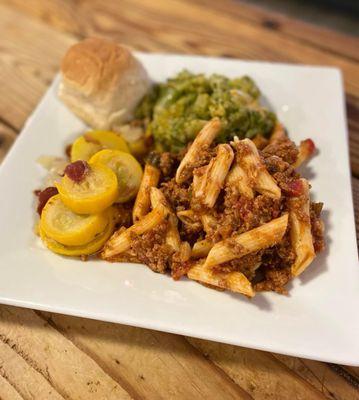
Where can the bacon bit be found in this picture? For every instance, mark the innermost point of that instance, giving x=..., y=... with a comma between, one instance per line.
x=90, y=139
x=294, y=188
x=308, y=145
x=77, y=170
x=44, y=196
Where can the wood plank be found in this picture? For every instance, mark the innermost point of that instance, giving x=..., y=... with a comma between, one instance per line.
x=28, y=63
x=149, y=363
x=257, y=372
x=67, y=369
x=7, y=137
x=324, y=38
x=7, y=391
x=186, y=27
x=28, y=382
x=322, y=376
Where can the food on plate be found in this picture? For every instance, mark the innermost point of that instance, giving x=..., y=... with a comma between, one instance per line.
x=227, y=215
x=91, y=142
x=85, y=249
x=102, y=82
x=201, y=183
x=177, y=109
x=63, y=225
x=126, y=168
x=88, y=188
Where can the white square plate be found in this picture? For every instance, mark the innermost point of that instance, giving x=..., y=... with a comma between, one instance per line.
x=319, y=319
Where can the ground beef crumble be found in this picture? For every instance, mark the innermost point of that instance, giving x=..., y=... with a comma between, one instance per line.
x=151, y=249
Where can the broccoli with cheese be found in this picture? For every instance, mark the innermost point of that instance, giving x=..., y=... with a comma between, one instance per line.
x=177, y=109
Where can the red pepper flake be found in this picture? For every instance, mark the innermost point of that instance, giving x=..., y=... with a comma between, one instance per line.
x=44, y=196
x=77, y=170
x=294, y=188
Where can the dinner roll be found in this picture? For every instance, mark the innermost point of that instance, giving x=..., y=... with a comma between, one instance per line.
x=102, y=82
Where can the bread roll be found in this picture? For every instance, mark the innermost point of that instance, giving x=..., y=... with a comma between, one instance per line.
x=102, y=83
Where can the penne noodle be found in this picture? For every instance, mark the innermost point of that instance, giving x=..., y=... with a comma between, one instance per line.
x=199, y=181
x=151, y=176
x=188, y=217
x=238, y=178
x=237, y=246
x=184, y=252
x=306, y=150
x=201, y=248
x=208, y=222
x=216, y=174
x=256, y=170
x=234, y=281
x=204, y=138
x=172, y=236
x=121, y=241
x=300, y=230
x=157, y=198
x=260, y=142
x=278, y=133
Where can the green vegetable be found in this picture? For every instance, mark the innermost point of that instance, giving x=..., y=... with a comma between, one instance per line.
x=178, y=109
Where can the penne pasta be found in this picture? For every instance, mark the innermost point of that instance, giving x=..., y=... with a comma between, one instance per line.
x=260, y=142
x=278, y=133
x=121, y=241
x=199, y=180
x=188, y=217
x=184, y=252
x=215, y=175
x=264, y=236
x=204, y=138
x=208, y=222
x=234, y=281
x=300, y=230
x=238, y=179
x=306, y=150
x=256, y=171
x=151, y=176
x=172, y=236
x=201, y=248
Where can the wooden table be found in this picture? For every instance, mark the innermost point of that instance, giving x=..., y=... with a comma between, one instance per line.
x=51, y=356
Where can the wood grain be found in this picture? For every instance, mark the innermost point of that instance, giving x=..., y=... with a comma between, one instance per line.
x=323, y=377
x=258, y=372
x=7, y=391
x=150, y=364
x=306, y=33
x=74, y=358
x=69, y=371
x=184, y=26
x=7, y=138
x=28, y=64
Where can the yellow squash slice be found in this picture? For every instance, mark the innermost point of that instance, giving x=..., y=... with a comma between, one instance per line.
x=87, y=249
x=61, y=224
x=87, y=145
x=95, y=192
x=127, y=169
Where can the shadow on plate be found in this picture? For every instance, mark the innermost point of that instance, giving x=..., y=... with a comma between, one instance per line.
x=259, y=300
